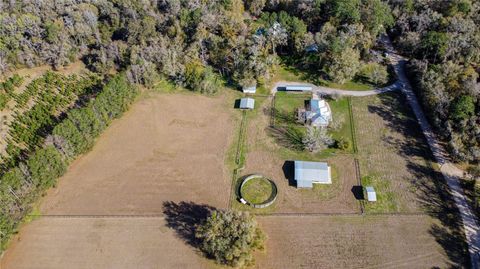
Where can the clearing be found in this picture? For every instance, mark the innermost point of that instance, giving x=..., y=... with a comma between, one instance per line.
x=394, y=157
x=169, y=147
x=358, y=242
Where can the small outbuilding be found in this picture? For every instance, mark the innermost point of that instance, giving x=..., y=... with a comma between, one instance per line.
x=297, y=88
x=311, y=48
x=247, y=103
x=371, y=194
x=309, y=173
x=250, y=89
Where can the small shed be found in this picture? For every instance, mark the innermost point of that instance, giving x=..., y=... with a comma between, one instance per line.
x=309, y=173
x=250, y=89
x=371, y=194
x=298, y=88
x=247, y=103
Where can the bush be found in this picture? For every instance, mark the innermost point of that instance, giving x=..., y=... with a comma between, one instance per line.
x=45, y=166
x=200, y=78
x=230, y=237
x=3, y=100
x=342, y=144
x=374, y=73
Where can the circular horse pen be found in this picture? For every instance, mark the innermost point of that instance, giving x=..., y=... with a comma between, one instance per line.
x=258, y=191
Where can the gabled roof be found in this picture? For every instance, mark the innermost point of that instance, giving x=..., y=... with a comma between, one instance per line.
x=311, y=172
x=319, y=112
x=247, y=103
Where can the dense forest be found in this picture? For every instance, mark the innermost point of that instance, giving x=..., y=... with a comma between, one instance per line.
x=443, y=40
x=203, y=44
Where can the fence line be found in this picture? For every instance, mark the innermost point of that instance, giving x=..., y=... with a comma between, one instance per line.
x=352, y=125
x=359, y=182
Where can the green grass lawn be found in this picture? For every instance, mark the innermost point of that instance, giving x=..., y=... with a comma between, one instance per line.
x=289, y=73
x=349, y=85
x=287, y=103
x=325, y=192
x=257, y=190
x=386, y=200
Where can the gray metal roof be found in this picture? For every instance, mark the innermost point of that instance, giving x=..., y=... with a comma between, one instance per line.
x=304, y=184
x=247, y=103
x=312, y=172
x=298, y=88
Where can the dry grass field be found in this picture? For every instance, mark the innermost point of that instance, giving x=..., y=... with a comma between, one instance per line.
x=394, y=157
x=79, y=243
x=166, y=148
x=354, y=242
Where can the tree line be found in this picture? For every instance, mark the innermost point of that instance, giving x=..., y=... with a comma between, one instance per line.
x=23, y=183
x=442, y=38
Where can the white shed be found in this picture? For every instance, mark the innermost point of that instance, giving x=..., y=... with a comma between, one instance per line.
x=298, y=88
x=371, y=194
x=250, y=89
x=247, y=103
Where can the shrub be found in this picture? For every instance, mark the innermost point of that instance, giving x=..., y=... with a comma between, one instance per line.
x=374, y=73
x=230, y=237
x=342, y=144
x=3, y=100
x=45, y=166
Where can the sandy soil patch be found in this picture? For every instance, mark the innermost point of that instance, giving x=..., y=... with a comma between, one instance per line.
x=166, y=148
x=351, y=242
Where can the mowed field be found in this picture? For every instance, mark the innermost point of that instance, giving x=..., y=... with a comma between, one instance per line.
x=166, y=148
x=293, y=242
x=101, y=243
x=352, y=242
x=394, y=156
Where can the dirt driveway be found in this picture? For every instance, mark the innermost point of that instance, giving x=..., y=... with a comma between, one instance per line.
x=169, y=147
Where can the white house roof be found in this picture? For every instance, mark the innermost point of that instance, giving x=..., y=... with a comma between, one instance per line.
x=247, y=103
x=307, y=173
x=319, y=113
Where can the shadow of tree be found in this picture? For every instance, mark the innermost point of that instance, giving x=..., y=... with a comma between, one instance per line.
x=283, y=117
x=184, y=218
x=287, y=137
x=400, y=119
x=429, y=186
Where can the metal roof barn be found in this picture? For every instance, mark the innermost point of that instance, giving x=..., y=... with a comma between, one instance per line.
x=309, y=173
x=371, y=194
x=298, y=88
x=250, y=89
x=247, y=103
